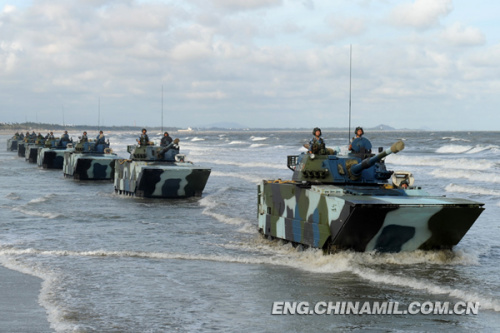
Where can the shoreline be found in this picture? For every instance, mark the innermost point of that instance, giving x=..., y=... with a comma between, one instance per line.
x=19, y=307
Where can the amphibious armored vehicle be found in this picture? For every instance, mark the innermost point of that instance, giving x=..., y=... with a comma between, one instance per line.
x=52, y=155
x=157, y=172
x=12, y=142
x=32, y=150
x=90, y=161
x=353, y=202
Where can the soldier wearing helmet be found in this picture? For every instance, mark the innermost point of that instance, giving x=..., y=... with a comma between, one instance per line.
x=359, y=143
x=144, y=139
x=316, y=145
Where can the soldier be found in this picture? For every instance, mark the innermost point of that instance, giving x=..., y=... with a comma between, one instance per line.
x=84, y=137
x=51, y=136
x=360, y=144
x=100, y=139
x=21, y=136
x=65, y=136
x=166, y=140
x=144, y=139
x=316, y=145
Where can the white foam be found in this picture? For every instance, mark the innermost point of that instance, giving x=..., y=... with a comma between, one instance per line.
x=33, y=212
x=257, y=138
x=477, y=176
x=453, y=149
x=197, y=139
x=454, y=188
x=451, y=138
x=256, y=145
x=42, y=199
x=461, y=163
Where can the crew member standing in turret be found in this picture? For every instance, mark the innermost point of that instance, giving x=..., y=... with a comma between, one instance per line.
x=84, y=137
x=316, y=145
x=144, y=139
x=360, y=144
x=100, y=139
x=166, y=140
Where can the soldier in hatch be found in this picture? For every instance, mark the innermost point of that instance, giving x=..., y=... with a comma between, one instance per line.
x=360, y=144
x=100, y=139
x=84, y=137
x=316, y=145
x=144, y=139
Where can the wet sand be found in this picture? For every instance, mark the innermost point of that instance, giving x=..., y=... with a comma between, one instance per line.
x=19, y=308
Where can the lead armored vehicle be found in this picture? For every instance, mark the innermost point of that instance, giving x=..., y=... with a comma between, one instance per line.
x=90, y=161
x=353, y=202
x=157, y=172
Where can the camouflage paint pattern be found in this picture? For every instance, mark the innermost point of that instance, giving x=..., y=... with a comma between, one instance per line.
x=12, y=144
x=31, y=154
x=52, y=158
x=89, y=166
x=159, y=179
x=362, y=218
x=21, y=148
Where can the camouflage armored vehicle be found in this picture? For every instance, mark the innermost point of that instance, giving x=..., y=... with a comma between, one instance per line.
x=156, y=172
x=32, y=150
x=52, y=155
x=12, y=142
x=90, y=161
x=353, y=202
x=22, y=145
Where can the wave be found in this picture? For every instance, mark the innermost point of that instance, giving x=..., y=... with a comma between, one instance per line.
x=257, y=138
x=459, y=149
x=42, y=199
x=451, y=138
x=249, y=178
x=244, y=164
x=37, y=213
x=453, y=149
x=256, y=145
x=471, y=190
x=461, y=163
x=13, y=196
x=465, y=174
x=197, y=139
x=236, y=142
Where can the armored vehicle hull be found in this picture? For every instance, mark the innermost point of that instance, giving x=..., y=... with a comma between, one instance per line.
x=52, y=158
x=336, y=203
x=160, y=179
x=159, y=172
x=89, y=166
x=363, y=218
x=21, y=148
x=31, y=154
x=12, y=144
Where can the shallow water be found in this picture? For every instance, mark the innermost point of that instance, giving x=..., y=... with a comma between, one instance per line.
x=123, y=264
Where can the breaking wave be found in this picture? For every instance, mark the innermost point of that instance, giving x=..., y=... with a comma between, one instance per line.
x=257, y=138
x=462, y=163
x=471, y=190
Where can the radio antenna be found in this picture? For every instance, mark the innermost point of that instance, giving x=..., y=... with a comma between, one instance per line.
x=350, y=84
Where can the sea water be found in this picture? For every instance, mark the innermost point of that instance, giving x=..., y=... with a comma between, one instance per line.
x=112, y=263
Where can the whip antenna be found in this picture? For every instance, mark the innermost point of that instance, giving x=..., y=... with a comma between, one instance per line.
x=350, y=84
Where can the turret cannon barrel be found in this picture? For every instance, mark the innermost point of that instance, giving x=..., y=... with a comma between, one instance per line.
x=366, y=163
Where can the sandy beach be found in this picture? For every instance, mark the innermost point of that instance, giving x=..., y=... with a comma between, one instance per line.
x=19, y=308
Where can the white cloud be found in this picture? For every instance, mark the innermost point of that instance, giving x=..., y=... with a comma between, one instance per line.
x=459, y=35
x=421, y=14
x=246, y=4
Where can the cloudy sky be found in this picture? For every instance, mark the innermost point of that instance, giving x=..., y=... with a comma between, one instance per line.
x=261, y=63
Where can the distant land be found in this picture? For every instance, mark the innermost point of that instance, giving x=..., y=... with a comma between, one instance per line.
x=220, y=126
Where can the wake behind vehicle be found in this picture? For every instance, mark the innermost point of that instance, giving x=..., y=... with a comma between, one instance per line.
x=353, y=202
x=159, y=172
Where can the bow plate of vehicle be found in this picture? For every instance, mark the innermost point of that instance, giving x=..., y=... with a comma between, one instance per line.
x=353, y=202
x=159, y=172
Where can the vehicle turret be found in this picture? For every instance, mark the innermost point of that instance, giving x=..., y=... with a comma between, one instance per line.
x=350, y=169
